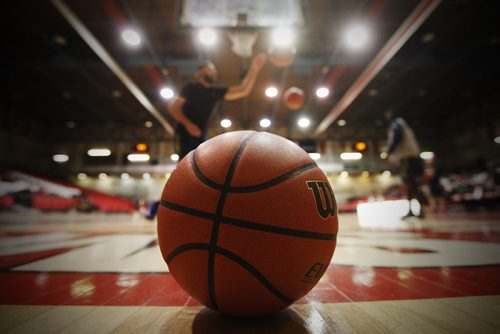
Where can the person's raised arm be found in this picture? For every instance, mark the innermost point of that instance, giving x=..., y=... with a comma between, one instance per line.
x=246, y=85
x=175, y=109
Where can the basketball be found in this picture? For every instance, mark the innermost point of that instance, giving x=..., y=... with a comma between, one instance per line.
x=247, y=223
x=294, y=98
x=282, y=57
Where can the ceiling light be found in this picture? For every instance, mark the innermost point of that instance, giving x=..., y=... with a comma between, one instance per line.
x=146, y=176
x=116, y=93
x=102, y=176
x=283, y=37
x=174, y=157
x=428, y=37
x=138, y=157
x=81, y=176
x=70, y=124
x=386, y=173
x=207, y=36
x=99, y=152
x=341, y=122
x=322, y=92
x=271, y=92
x=315, y=155
x=124, y=176
x=131, y=37
x=265, y=123
x=60, y=40
x=351, y=156
x=427, y=155
x=356, y=37
x=304, y=122
x=225, y=123
x=167, y=93
x=497, y=140
x=344, y=174
x=383, y=155
x=148, y=124
x=365, y=174
x=60, y=158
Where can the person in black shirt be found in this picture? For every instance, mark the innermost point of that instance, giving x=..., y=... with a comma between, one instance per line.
x=192, y=109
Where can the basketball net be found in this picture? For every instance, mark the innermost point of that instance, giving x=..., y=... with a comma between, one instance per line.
x=243, y=42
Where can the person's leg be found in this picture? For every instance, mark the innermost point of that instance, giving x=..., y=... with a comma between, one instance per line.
x=412, y=180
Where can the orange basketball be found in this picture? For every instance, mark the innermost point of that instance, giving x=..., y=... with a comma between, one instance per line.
x=294, y=98
x=247, y=223
x=282, y=57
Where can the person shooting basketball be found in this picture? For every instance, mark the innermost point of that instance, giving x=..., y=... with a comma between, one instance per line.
x=192, y=109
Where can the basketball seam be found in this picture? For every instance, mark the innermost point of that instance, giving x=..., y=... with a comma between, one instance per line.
x=216, y=221
x=235, y=258
x=247, y=189
x=248, y=224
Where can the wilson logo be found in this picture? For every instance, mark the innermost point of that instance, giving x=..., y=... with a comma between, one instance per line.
x=323, y=195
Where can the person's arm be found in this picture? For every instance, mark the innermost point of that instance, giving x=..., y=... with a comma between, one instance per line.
x=175, y=109
x=246, y=85
x=395, y=137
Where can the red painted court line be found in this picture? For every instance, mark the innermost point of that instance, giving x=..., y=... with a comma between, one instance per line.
x=406, y=278
x=340, y=284
x=363, y=284
x=17, y=260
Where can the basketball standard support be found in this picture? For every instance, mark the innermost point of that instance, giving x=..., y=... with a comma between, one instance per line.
x=417, y=17
x=101, y=52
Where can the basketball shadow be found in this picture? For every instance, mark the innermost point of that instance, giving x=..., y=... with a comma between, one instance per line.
x=286, y=321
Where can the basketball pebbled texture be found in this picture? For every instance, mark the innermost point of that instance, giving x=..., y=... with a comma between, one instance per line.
x=247, y=223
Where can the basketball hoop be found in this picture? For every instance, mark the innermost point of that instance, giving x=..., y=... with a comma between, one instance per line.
x=243, y=42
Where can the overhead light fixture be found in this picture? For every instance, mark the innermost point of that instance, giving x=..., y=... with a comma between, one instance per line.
x=60, y=40
x=271, y=91
x=146, y=176
x=344, y=174
x=365, y=174
x=102, y=176
x=497, y=140
x=315, y=156
x=428, y=37
x=265, y=123
x=138, y=157
x=356, y=36
x=174, y=157
x=383, y=155
x=386, y=173
x=60, y=158
x=351, y=156
x=427, y=155
x=148, y=124
x=225, y=123
x=99, y=152
x=283, y=37
x=116, y=93
x=304, y=122
x=207, y=36
x=81, y=176
x=167, y=93
x=124, y=176
x=322, y=92
x=131, y=37
x=341, y=122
